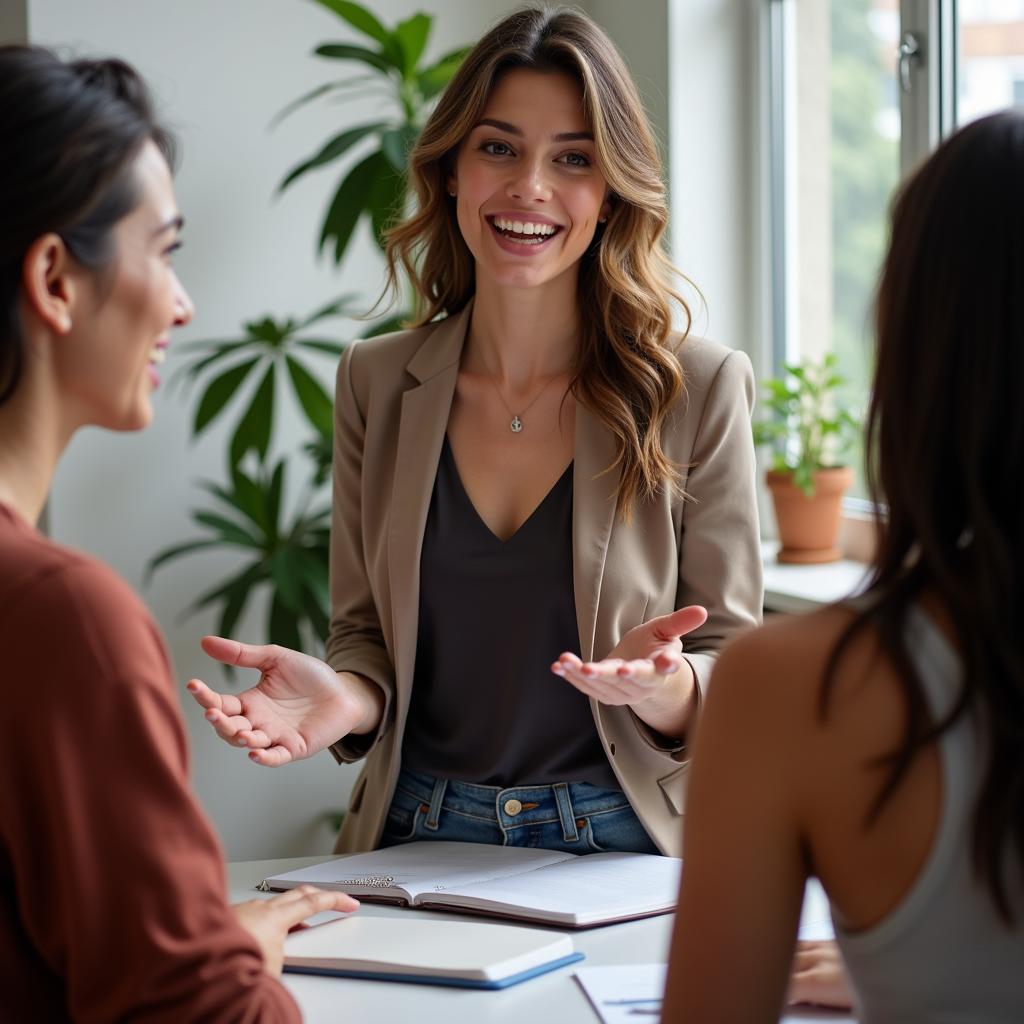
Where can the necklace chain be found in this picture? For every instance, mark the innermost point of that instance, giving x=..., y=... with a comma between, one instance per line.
x=516, y=424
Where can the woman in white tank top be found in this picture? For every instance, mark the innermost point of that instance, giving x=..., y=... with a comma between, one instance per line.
x=879, y=745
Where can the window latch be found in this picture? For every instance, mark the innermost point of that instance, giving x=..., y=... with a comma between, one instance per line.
x=910, y=49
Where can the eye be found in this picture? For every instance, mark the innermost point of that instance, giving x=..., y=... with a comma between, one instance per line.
x=575, y=160
x=496, y=148
x=172, y=249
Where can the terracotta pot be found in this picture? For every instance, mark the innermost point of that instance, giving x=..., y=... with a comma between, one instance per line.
x=808, y=527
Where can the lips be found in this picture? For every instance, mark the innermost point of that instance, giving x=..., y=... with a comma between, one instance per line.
x=523, y=231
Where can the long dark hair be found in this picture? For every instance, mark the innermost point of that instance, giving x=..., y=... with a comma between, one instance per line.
x=945, y=434
x=69, y=132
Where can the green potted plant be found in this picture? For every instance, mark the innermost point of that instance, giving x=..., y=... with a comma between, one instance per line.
x=808, y=429
x=288, y=552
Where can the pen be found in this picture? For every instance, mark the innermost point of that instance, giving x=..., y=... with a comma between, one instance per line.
x=628, y=1002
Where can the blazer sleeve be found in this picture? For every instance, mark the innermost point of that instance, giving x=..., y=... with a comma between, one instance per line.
x=720, y=549
x=355, y=642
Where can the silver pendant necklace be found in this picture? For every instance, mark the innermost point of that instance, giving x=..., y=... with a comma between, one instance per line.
x=516, y=425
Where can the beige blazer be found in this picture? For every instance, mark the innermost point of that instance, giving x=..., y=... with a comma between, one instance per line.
x=394, y=394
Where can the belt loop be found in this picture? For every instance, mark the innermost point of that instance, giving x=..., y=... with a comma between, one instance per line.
x=569, y=831
x=436, y=799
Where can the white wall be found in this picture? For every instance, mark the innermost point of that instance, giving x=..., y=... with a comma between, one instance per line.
x=220, y=72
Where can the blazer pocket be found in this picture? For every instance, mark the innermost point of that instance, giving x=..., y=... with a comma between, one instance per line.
x=673, y=787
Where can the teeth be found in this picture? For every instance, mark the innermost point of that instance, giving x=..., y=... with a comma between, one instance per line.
x=157, y=355
x=520, y=227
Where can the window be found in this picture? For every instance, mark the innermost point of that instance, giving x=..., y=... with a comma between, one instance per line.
x=860, y=91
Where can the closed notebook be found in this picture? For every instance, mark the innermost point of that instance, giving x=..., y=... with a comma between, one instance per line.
x=543, y=886
x=462, y=953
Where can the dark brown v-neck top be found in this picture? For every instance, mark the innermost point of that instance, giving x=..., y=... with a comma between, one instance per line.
x=493, y=616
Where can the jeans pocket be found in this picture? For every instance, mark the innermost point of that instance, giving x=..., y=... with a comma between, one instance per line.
x=616, y=831
x=402, y=824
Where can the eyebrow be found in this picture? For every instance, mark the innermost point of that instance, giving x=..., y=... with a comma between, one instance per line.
x=177, y=222
x=504, y=126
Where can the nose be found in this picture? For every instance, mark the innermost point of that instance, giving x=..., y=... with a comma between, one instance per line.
x=529, y=184
x=184, y=310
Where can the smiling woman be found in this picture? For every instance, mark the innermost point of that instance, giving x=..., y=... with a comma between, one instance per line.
x=93, y=758
x=531, y=510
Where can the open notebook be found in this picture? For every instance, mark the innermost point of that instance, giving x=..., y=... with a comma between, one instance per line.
x=461, y=953
x=553, y=888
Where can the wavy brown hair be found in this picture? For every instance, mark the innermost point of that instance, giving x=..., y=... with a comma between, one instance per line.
x=946, y=429
x=627, y=373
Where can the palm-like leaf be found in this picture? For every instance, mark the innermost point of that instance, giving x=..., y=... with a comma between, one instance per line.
x=288, y=556
x=374, y=186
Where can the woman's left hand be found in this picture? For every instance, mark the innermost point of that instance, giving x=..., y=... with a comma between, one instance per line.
x=645, y=670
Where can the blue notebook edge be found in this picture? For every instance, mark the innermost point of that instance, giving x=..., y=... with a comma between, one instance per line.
x=418, y=979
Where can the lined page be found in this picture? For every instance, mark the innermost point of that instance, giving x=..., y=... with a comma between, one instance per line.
x=585, y=890
x=421, y=867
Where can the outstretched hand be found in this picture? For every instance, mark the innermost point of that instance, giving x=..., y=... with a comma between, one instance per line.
x=645, y=670
x=299, y=706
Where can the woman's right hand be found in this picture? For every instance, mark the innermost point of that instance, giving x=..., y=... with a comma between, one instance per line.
x=299, y=706
x=819, y=977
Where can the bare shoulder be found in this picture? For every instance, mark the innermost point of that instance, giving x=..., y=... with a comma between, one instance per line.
x=777, y=669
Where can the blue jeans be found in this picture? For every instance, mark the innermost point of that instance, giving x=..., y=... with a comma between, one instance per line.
x=571, y=816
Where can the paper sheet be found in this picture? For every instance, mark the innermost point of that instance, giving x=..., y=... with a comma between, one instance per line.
x=631, y=994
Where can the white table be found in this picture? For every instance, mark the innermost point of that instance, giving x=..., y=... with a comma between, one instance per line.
x=551, y=997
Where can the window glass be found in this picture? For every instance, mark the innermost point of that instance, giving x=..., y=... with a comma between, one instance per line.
x=990, y=57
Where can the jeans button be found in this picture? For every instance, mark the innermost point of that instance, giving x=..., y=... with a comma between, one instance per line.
x=513, y=807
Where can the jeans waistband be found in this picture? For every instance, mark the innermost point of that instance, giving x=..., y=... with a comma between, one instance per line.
x=511, y=806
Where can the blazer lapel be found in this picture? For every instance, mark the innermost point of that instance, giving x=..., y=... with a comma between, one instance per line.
x=593, y=515
x=421, y=430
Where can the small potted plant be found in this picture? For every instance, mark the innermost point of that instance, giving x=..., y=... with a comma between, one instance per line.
x=808, y=430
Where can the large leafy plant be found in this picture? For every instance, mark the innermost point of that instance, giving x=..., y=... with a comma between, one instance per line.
x=288, y=554
x=808, y=427
x=373, y=186
x=248, y=376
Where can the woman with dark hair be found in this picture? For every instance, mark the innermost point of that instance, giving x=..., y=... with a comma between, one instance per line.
x=538, y=489
x=112, y=891
x=879, y=744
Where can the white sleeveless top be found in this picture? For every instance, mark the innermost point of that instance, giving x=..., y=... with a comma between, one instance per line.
x=942, y=955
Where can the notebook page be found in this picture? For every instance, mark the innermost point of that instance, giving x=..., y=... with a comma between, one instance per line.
x=584, y=890
x=421, y=867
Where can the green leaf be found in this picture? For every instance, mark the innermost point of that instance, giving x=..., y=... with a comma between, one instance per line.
x=317, y=615
x=346, y=51
x=219, y=392
x=237, y=595
x=320, y=90
x=253, y=430
x=253, y=495
x=412, y=37
x=339, y=307
x=273, y=503
x=169, y=554
x=283, y=625
x=388, y=325
x=315, y=401
x=349, y=204
x=396, y=144
x=432, y=80
x=230, y=532
x=330, y=348
x=286, y=578
x=385, y=200
x=251, y=574
x=358, y=17
x=336, y=147
x=216, y=351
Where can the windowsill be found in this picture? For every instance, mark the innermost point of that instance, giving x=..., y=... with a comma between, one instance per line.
x=802, y=588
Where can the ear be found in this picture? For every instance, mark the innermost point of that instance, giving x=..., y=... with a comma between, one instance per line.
x=48, y=282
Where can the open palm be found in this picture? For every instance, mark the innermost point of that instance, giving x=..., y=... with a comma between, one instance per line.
x=298, y=708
